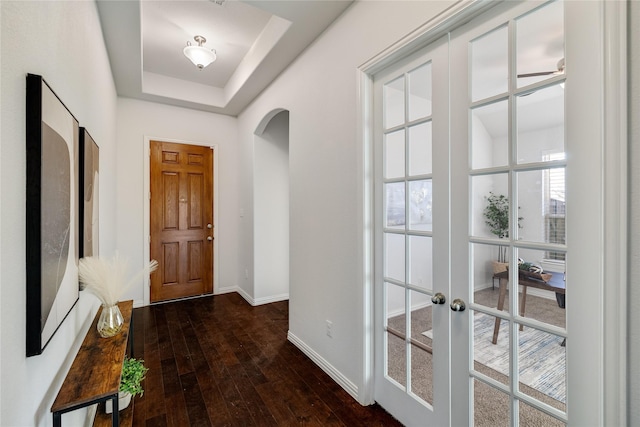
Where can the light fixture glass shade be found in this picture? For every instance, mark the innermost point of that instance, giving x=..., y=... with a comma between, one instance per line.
x=199, y=55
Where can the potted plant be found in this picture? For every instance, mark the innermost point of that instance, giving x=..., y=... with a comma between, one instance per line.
x=496, y=215
x=133, y=372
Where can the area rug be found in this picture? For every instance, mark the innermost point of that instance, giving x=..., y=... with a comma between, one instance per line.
x=542, y=358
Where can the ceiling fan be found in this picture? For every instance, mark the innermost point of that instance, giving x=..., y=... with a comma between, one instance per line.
x=559, y=71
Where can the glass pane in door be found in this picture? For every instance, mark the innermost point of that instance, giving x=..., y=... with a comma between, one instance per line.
x=542, y=366
x=420, y=149
x=489, y=277
x=490, y=407
x=543, y=287
x=491, y=347
x=395, y=315
x=394, y=103
x=531, y=416
x=542, y=205
x=421, y=346
x=420, y=205
x=490, y=207
x=420, y=262
x=394, y=207
x=394, y=154
x=540, y=44
x=420, y=96
x=535, y=143
x=490, y=135
x=489, y=64
x=396, y=357
x=394, y=265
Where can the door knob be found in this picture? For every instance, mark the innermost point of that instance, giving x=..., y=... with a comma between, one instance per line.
x=209, y=238
x=438, y=298
x=458, y=305
x=209, y=226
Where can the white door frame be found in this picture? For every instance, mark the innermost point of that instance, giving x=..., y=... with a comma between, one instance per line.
x=146, y=191
x=614, y=227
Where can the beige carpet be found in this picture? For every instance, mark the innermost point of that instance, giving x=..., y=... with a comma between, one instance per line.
x=491, y=406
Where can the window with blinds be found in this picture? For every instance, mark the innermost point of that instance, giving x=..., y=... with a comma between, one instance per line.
x=554, y=206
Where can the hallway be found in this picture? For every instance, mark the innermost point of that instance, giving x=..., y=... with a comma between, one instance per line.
x=217, y=361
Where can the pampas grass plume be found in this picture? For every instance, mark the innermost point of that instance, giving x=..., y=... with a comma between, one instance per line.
x=107, y=278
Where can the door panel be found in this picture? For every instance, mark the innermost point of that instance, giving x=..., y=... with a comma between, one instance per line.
x=181, y=211
x=514, y=145
x=411, y=359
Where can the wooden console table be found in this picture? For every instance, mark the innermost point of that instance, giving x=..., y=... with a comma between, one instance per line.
x=555, y=284
x=94, y=376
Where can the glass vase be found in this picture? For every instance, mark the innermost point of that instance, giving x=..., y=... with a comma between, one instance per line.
x=110, y=321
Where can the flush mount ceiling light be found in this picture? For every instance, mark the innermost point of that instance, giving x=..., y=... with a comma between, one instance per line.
x=199, y=55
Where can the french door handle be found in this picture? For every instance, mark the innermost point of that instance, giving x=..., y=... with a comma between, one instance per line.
x=458, y=305
x=438, y=298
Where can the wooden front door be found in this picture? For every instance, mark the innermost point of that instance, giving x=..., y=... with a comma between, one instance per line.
x=181, y=220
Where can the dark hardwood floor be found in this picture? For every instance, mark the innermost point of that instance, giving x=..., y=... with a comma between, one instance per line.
x=218, y=361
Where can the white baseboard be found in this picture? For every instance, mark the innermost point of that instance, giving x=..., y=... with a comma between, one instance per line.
x=260, y=301
x=329, y=369
x=270, y=299
x=220, y=291
x=244, y=295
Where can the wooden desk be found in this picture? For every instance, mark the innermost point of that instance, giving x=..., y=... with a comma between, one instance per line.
x=555, y=284
x=94, y=375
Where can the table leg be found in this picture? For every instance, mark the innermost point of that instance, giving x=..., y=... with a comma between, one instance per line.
x=115, y=422
x=131, y=335
x=501, y=296
x=523, y=301
x=57, y=419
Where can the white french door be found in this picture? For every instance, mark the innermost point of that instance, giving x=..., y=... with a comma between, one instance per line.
x=507, y=108
x=412, y=237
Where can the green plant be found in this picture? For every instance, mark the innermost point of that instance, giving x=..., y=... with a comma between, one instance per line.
x=496, y=215
x=133, y=372
x=525, y=266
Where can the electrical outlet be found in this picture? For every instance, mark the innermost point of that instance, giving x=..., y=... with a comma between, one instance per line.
x=329, y=329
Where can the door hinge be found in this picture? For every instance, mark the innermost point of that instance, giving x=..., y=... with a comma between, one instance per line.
x=149, y=239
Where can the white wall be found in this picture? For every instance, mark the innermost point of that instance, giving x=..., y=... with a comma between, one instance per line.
x=271, y=212
x=320, y=91
x=140, y=119
x=62, y=42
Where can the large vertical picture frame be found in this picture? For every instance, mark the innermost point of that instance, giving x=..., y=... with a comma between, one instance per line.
x=89, y=186
x=52, y=140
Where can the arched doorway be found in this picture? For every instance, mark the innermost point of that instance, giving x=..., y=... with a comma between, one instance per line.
x=271, y=208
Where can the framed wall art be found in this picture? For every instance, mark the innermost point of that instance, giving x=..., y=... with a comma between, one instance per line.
x=52, y=140
x=89, y=180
